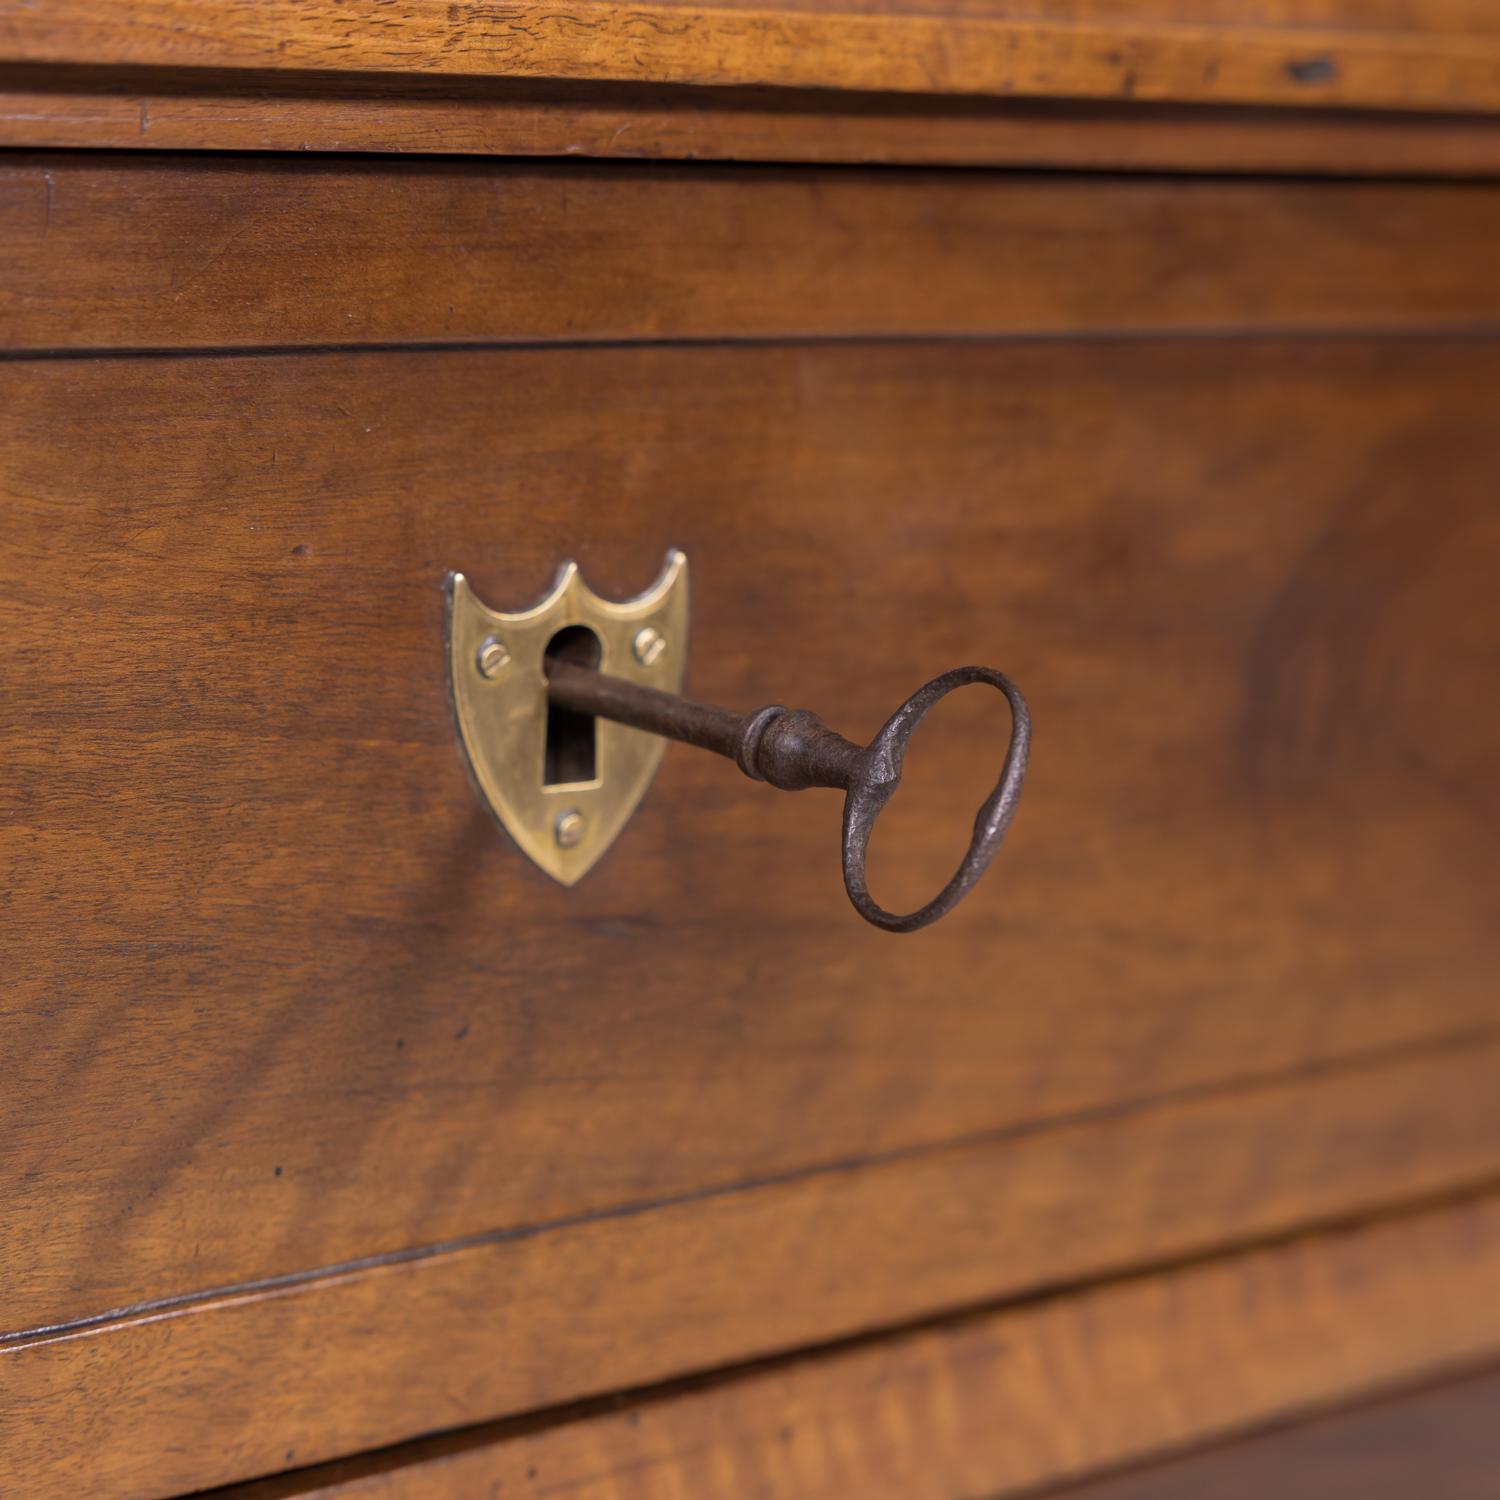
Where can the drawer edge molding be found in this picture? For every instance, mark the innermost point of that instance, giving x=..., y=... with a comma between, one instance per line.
x=649, y=123
x=318, y=1369
x=1040, y=1395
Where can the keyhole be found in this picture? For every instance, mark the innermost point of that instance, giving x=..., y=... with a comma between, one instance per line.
x=572, y=752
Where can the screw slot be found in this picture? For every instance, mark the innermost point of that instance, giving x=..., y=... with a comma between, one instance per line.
x=492, y=658
x=648, y=646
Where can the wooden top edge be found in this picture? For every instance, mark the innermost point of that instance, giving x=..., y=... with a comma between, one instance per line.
x=1440, y=59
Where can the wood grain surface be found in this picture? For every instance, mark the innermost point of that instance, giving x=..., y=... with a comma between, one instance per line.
x=286, y=1000
x=1007, y=1403
x=131, y=251
x=190, y=111
x=1434, y=54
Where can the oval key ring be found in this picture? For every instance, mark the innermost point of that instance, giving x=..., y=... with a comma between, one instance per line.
x=879, y=774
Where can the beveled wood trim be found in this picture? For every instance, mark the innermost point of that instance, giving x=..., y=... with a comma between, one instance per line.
x=1444, y=59
x=310, y=1368
x=149, y=252
x=265, y=112
x=1000, y=1404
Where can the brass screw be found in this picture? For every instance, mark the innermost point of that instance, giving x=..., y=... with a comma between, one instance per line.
x=648, y=646
x=492, y=658
x=569, y=829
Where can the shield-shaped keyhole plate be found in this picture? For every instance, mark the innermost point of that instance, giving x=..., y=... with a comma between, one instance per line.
x=499, y=692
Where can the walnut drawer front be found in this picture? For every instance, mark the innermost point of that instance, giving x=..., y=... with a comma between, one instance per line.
x=306, y=1056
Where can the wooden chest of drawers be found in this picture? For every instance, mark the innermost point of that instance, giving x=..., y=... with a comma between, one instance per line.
x=1149, y=357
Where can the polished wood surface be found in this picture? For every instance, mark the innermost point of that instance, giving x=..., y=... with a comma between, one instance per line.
x=1005, y=1403
x=140, y=252
x=289, y=1007
x=1425, y=55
